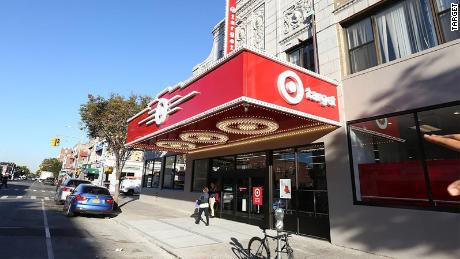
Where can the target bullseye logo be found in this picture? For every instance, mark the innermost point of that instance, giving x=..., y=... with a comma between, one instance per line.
x=382, y=123
x=162, y=111
x=292, y=91
x=291, y=88
x=164, y=107
x=257, y=193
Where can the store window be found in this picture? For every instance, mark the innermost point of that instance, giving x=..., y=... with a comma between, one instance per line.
x=303, y=55
x=443, y=164
x=251, y=161
x=394, y=165
x=443, y=12
x=179, y=172
x=397, y=31
x=174, y=173
x=200, y=174
x=224, y=164
x=152, y=173
x=284, y=167
x=148, y=174
x=307, y=211
x=312, y=182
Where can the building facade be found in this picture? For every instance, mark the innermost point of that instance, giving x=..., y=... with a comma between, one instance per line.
x=67, y=160
x=370, y=182
x=100, y=159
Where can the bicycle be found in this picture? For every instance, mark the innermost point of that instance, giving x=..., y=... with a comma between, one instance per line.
x=259, y=247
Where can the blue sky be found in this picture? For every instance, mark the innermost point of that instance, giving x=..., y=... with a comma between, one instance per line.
x=53, y=53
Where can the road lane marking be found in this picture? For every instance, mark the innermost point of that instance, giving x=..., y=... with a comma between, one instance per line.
x=34, y=190
x=43, y=191
x=47, y=198
x=33, y=197
x=18, y=197
x=49, y=247
x=4, y=197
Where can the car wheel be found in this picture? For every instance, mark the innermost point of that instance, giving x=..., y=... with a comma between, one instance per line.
x=130, y=192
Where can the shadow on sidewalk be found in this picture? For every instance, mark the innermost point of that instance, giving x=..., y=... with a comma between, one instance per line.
x=131, y=199
x=238, y=250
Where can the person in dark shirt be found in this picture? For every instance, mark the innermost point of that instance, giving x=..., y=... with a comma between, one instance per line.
x=4, y=181
x=203, y=206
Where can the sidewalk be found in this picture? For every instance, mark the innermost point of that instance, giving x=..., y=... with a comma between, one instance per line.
x=176, y=232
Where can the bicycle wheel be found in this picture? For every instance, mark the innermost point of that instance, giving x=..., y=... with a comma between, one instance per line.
x=290, y=252
x=258, y=249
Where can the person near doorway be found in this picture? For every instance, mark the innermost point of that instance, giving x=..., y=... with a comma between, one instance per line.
x=212, y=198
x=4, y=181
x=203, y=206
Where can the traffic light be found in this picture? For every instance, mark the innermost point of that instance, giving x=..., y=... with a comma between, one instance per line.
x=55, y=142
x=108, y=170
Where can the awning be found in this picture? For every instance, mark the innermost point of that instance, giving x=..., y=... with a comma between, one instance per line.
x=247, y=95
x=92, y=171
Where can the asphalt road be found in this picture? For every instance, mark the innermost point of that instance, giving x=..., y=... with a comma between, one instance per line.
x=32, y=226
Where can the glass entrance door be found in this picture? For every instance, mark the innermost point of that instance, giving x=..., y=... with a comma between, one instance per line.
x=242, y=198
x=238, y=202
x=228, y=198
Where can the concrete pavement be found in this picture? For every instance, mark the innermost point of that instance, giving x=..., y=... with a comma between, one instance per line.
x=174, y=231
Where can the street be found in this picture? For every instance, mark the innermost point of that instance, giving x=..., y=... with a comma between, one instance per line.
x=32, y=226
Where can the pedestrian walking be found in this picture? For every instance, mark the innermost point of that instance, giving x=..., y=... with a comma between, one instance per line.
x=4, y=181
x=212, y=198
x=203, y=202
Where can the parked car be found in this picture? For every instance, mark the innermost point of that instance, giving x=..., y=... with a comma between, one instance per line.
x=130, y=186
x=49, y=181
x=66, y=187
x=89, y=199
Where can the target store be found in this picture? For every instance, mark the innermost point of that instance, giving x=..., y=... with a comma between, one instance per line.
x=250, y=125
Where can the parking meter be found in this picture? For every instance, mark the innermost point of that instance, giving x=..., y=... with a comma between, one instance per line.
x=279, y=216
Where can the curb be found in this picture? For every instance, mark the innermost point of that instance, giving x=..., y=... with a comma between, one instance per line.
x=148, y=239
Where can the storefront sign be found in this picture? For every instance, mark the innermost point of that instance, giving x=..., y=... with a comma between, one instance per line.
x=291, y=88
x=200, y=103
x=285, y=188
x=159, y=109
x=230, y=26
x=257, y=193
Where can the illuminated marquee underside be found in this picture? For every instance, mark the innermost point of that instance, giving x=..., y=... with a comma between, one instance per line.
x=236, y=101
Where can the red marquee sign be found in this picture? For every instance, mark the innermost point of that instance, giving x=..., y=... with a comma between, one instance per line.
x=247, y=83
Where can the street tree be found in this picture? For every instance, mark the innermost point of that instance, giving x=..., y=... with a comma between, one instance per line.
x=51, y=165
x=23, y=170
x=106, y=119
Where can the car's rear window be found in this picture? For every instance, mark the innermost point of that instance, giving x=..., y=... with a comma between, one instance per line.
x=75, y=183
x=95, y=190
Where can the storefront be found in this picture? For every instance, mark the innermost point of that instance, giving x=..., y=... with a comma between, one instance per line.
x=250, y=187
x=247, y=124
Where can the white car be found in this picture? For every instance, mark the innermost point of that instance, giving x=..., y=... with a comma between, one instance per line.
x=66, y=188
x=130, y=186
